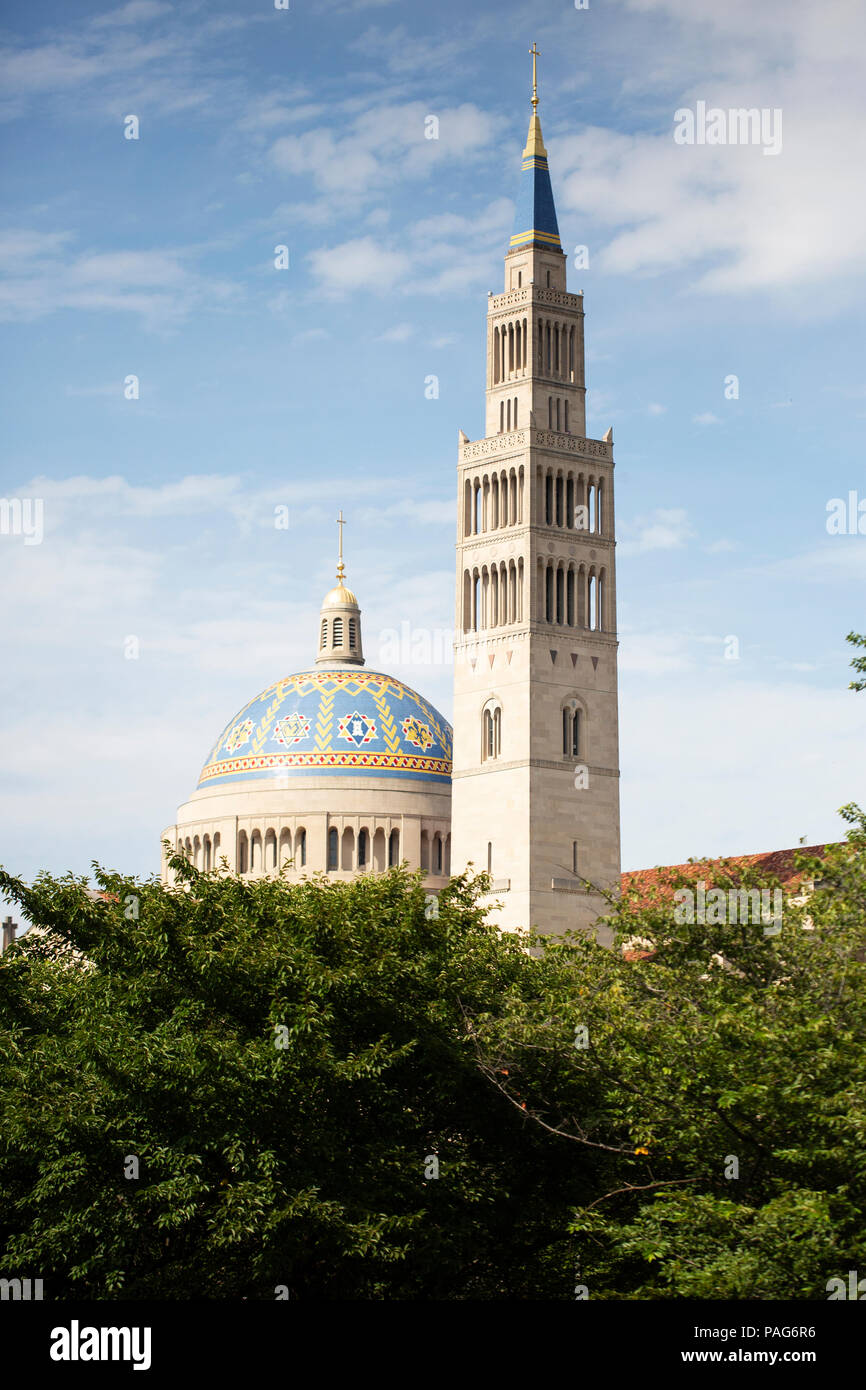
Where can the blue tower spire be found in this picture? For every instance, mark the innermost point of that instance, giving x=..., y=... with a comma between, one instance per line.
x=535, y=215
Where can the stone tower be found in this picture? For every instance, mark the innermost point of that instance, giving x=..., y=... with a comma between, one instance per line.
x=535, y=791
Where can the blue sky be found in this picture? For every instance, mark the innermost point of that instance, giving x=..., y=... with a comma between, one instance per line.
x=306, y=386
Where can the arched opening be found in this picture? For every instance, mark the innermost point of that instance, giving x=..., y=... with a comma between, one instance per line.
x=347, y=856
x=569, y=598
x=285, y=846
x=379, y=850
x=549, y=594
x=333, y=848
x=393, y=849
x=425, y=850
x=337, y=639
x=242, y=852
x=271, y=849
x=300, y=849
x=437, y=854
x=256, y=852
x=206, y=853
x=363, y=848
x=560, y=596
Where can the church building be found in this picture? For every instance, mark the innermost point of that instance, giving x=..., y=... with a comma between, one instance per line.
x=346, y=771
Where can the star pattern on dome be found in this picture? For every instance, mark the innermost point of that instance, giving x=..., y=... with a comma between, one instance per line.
x=239, y=735
x=356, y=728
x=293, y=729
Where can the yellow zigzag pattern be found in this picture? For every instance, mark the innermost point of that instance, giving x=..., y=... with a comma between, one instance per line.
x=324, y=721
x=268, y=719
x=387, y=726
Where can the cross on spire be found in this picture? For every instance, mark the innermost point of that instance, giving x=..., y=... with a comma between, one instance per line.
x=535, y=55
x=341, y=567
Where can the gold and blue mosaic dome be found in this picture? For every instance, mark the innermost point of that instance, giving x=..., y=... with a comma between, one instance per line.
x=332, y=724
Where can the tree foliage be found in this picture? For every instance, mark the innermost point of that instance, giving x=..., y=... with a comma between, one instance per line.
x=286, y=1061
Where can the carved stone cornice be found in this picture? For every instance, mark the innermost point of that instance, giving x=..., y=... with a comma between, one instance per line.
x=534, y=294
x=501, y=445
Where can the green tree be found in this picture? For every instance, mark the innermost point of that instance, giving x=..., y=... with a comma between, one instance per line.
x=724, y=1073
x=858, y=662
x=286, y=1064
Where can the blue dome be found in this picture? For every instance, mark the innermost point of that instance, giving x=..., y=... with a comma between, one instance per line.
x=332, y=724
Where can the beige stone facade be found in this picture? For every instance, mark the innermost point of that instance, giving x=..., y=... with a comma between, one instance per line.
x=342, y=771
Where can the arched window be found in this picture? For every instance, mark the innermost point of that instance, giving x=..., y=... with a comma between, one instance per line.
x=572, y=730
x=256, y=851
x=363, y=848
x=300, y=849
x=216, y=845
x=437, y=855
x=425, y=850
x=271, y=849
x=352, y=639
x=490, y=856
x=242, y=852
x=338, y=632
x=393, y=849
x=491, y=731
x=333, y=848
x=324, y=632
x=206, y=850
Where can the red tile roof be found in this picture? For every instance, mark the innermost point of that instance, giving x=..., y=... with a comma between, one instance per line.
x=653, y=884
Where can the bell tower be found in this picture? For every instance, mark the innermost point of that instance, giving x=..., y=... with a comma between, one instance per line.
x=535, y=790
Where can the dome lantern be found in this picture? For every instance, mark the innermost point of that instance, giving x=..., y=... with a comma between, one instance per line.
x=340, y=621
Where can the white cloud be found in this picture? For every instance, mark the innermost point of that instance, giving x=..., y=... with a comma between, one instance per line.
x=41, y=276
x=399, y=333
x=662, y=529
x=706, y=418
x=360, y=264
x=381, y=146
x=135, y=12
x=727, y=216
